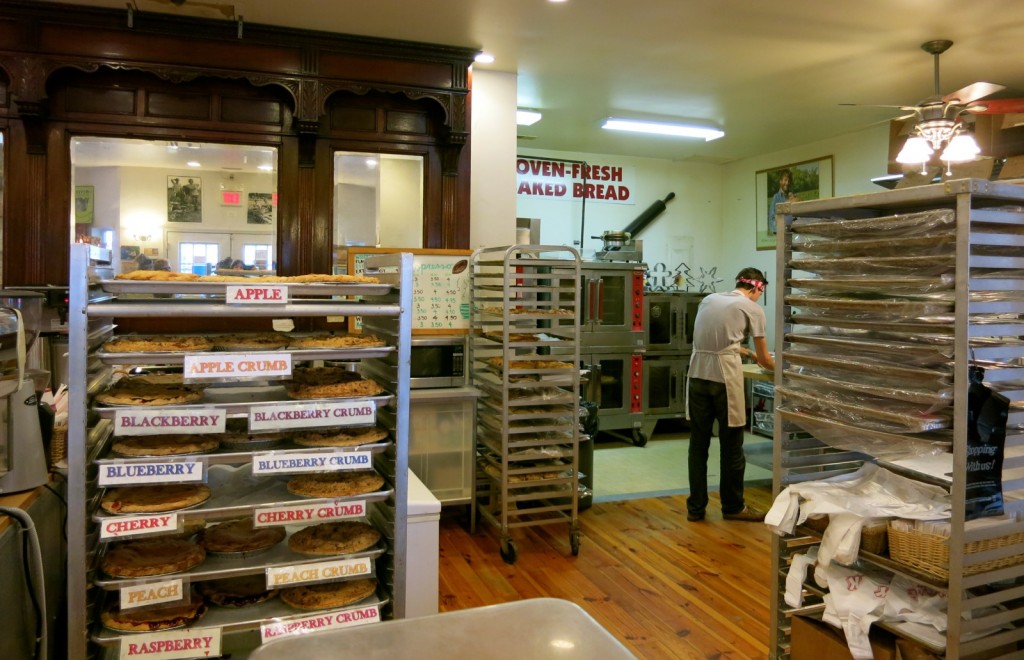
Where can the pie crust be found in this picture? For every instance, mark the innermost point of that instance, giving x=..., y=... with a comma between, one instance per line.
x=237, y=591
x=335, y=484
x=152, y=619
x=153, y=499
x=336, y=341
x=329, y=382
x=334, y=538
x=157, y=276
x=349, y=438
x=328, y=595
x=134, y=393
x=148, y=557
x=164, y=445
x=538, y=363
x=158, y=343
x=239, y=536
x=256, y=341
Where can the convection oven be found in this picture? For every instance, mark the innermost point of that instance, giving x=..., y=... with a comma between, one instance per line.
x=615, y=384
x=611, y=314
x=668, y=321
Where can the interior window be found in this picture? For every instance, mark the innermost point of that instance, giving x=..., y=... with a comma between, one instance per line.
x=378, y=202
x=170, y=204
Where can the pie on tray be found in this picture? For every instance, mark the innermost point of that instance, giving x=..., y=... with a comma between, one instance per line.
x=335, y=484
x=152, y=619
x=157, y=276
x=346, y=438
x=153, y=499
x=339, y=340
x=237, y=591
x=133, y=559
x=329, y=382
x=164, y=445
x=328, y=595
x=253, y=341
x=334, y=538
x=239, y=536
x=156, y=343
x=130, y=392
x=532, y=362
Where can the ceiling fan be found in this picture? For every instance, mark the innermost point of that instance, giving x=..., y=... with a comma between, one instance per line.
x=944, y=110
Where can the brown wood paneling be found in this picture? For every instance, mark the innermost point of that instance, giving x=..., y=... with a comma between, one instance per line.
x=179, y=106
x=100, y=100
x=251, y=111
x=398, y=121
x=351, y=66
x=353, y=119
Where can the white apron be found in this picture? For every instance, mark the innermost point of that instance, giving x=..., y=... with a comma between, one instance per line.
x=731, y=364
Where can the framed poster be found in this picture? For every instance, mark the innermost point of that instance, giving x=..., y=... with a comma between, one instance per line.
x=261, y=209
x=184, y=198
x=85, y=204
x=798, y=182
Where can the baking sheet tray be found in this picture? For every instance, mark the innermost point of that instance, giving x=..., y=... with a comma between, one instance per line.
x=941, y=326
x=889, y=306
x=219, y=288
x=239, y=619
x=877, y=246
x=235, y=492
x=237, y=401
x=298, y=355
x=916, y=265
x=229, y=456
x=899, y=224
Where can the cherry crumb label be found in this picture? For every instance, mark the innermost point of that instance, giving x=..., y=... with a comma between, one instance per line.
x=259, y=295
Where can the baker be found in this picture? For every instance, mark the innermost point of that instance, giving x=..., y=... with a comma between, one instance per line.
x=715, y=391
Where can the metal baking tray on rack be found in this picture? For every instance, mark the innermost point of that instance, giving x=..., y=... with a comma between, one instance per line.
x=236, y=457
x=298, y=355
x=219, y=288
x=240, y=619
x=237, y=401
x=215, y=568
x=235, y=492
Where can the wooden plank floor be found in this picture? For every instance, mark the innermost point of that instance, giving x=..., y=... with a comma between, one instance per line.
x=665, y=587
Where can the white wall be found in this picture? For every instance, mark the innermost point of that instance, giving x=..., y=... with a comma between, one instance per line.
x=857, y=157
x=492, y=204
x=687, y=231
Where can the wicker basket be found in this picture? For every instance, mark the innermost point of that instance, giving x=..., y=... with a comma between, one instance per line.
x=929, y=553
x=58, y=444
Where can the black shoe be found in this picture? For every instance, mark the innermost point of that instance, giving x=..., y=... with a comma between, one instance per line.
x=694, y=517
x=746, y=514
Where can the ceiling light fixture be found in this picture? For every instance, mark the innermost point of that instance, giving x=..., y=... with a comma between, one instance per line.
x=938, y=134
x=193, y=163
x=484, y=58
x=526, y=117
x=707, y=133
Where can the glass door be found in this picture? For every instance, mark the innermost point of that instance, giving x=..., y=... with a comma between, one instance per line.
x=194, y=252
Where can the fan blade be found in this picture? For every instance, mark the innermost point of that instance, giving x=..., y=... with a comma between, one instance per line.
x=973, y=92
x=998, y=107
x=909, y=108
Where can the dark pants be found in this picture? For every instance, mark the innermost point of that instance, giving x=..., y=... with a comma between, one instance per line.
x=708, y=402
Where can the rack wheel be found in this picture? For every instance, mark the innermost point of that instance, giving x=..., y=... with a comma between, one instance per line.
x=639, y=439
x=508, y=551
x=574, y=542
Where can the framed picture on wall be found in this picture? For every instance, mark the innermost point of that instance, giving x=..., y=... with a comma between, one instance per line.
x=85, y=204
x=184, y=198
x=806, y=180
x=261, y=209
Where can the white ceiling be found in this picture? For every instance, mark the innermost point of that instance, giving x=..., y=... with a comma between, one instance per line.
x=772, y=75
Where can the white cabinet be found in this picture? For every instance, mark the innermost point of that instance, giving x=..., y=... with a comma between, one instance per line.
x=247, y=481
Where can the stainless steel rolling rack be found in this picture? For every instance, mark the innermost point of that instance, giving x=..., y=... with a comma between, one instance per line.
x=524, y=357
x=238, y=488
x=908, y=286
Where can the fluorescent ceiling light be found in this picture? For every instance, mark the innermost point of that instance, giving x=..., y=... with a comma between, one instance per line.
x=484, y=58
x=663, y=128
x=193, y=163
x=527, y=117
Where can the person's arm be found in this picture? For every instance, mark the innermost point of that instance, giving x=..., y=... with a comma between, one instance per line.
x=761, y=354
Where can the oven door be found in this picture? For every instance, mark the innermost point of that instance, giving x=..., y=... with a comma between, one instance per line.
x=665, y=385
x=668, y=321
x=612, y=310
x=615, y=385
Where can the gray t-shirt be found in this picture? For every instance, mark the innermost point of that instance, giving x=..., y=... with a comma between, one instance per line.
x=723, y=320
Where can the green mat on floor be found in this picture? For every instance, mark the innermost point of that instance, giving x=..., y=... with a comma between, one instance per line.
x=626, y=472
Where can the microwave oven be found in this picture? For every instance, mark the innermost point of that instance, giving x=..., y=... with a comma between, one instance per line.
x=437, y=361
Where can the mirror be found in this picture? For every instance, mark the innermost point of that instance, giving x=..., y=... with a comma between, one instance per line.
x=185, y=206
x=378, y=202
